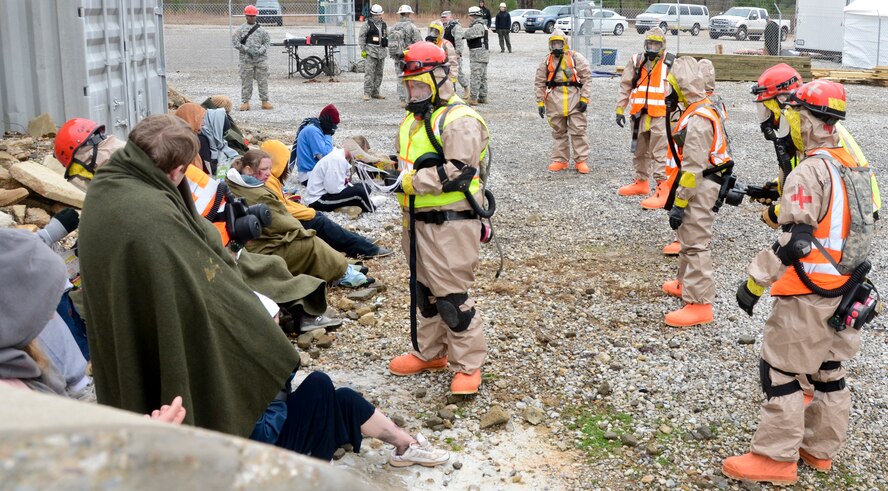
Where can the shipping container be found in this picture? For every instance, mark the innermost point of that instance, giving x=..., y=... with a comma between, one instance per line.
x=820, y=26
x=97, y=59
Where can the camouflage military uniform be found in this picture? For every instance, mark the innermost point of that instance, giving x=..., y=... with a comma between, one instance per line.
x=479, y=56
x=454, y=33
x=372, y=40
x=253, y=60
x=403, y=34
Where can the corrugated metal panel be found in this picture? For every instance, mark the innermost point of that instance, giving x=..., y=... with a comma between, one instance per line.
x=100, y=59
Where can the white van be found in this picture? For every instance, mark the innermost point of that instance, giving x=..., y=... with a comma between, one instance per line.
x=673, y=17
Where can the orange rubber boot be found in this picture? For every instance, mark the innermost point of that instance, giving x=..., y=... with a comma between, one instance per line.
x=692, y=314
x=557, y=166
x=672, y=288
x=466, y=384
x=672, y=249
x=658, y=200
x=819, y=465
x=408, y=364
x=754, y=467
x=582, y=168
x=637, y=188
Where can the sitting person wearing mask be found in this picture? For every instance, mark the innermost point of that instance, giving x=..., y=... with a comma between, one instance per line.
x=39, y=275
x=329, y=187
x=169, y=314
x=82, y=147
x=350, y=243
x=314, y=139
x=303, y=250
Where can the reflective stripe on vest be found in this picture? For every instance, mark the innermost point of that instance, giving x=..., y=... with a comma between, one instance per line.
x=718, y=151
x=650, y=92
x=550, y=76
x=414, y=143
x=203, y=191
x=832, y=231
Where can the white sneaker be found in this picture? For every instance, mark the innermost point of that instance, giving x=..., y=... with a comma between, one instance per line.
x=422, y=453
x=320, y=322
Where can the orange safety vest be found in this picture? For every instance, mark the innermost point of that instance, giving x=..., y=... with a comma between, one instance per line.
x=203, y=191
x=832, y=231
x=650, y=91
x=718, y=151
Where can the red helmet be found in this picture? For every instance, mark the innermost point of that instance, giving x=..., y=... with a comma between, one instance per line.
x=823, y=98
x=779, y=79
x=251, y=10
x=72, y=135
x=423, y=57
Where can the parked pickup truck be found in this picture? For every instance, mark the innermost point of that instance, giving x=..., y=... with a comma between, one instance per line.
x=743, y=22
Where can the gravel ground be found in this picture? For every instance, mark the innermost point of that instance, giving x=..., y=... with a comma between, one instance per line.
x=575, y=322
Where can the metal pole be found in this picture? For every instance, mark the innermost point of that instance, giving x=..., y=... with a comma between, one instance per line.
x=779, y=30
x=678, y=32
x=230, y=35
x=879, y=39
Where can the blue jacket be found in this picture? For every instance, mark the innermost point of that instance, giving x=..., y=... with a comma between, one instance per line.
x=311, y=145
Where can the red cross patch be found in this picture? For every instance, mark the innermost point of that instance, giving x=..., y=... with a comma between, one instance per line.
x=801, y=197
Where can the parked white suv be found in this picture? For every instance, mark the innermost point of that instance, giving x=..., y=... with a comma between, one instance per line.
x=743, y=22
x=673, y=17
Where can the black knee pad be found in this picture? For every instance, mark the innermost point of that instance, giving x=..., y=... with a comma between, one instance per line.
x=452, y=315
x=771, y=390
x=426, y=307
x=835, y=385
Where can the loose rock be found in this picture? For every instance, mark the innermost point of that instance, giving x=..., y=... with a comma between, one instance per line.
x=629, y=440
x=610, y=435
x=420, y=393
x=457, y=465
x=304, y=341
x=534, y=415
x=36, y=216
x=446, y=414
x=604, y=389
x=361, y=294
x=746, y=339
x=10, y=197
x=496, y=415
x=325, y=341
x=47, y=183
x=368, y=320
x=42, y=126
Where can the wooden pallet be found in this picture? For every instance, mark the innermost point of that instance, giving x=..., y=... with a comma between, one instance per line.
x=748, y=68
x=877, y=76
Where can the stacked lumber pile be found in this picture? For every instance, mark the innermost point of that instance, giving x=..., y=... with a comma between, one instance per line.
x=748, y=68
x=877, y=76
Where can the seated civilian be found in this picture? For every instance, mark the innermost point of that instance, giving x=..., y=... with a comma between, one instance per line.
x=314, y=139
x=342, y=240
x=303, y=250
x=329, y=186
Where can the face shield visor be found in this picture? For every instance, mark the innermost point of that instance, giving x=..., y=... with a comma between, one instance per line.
x=433, y=35
x=556, y=46
x=652, y=48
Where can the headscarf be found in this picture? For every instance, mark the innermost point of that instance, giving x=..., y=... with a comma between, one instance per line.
x=193, y=114
x=25, y=307
x=280, y=154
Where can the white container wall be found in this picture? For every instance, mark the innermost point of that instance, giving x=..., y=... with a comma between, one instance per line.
x=97, y=59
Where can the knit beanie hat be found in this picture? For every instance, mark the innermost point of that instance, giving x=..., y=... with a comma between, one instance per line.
x=330, y=113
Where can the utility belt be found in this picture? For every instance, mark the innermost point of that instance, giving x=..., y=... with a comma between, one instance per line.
x=439, y=217
x=563, y=84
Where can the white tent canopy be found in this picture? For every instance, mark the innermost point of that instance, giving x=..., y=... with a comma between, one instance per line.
x=866, y=34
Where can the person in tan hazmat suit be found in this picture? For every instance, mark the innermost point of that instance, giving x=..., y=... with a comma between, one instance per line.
x=441, y=144
x=702, y=150
x=643, y=89
x=810, y=330
x=562, y=88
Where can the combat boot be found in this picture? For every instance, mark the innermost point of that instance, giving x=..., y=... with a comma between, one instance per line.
x=482, y=100
x=672, y=249
x=464, y=384
x=637, y=188
x=755, y=467
x=658, y=200
x=471, y=102
x=672, y=288
x=582, y=168
x=557, y=166
x=378, y=96
x=408, y=364
x=819, y=465
x=267, y=105
x=692, y=314
x=366, y=97
x=245, y=106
